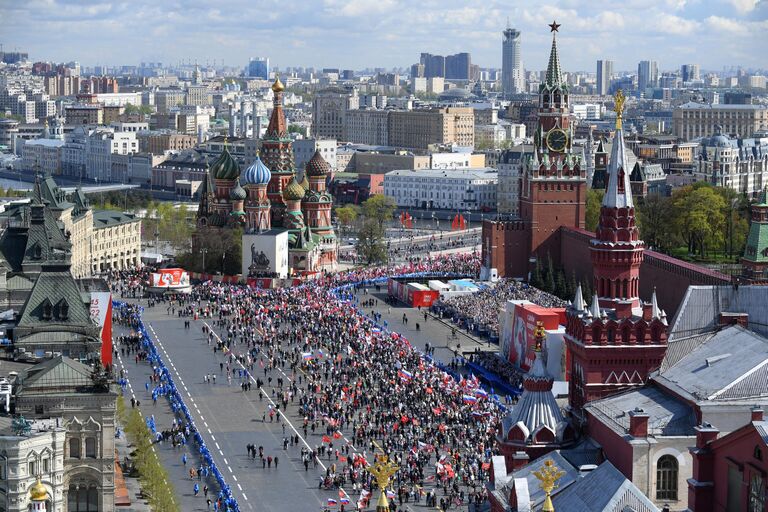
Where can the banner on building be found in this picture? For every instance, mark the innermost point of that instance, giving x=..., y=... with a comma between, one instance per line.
x=101, y=314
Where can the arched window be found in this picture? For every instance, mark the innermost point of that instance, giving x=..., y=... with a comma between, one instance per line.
x=90, y=447
x=74, y=448
x=666, y=478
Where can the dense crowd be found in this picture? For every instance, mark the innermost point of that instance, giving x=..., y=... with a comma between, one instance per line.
x=355, y=387
x=479, y=311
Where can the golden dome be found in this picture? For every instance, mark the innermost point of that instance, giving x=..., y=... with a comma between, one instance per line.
x=278, y=85
x=38, y=492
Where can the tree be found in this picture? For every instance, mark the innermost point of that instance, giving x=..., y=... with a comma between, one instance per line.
x=560, y=284
x=592, y=213
x=294, y=128
x=370, y=243
x=347, y=214
x=654, y=218
x=549, y=279
x=537, y=279
x=131, y=109
x=379, y=208
x=699, y=218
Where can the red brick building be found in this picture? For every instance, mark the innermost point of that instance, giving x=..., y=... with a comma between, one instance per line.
x=730, y=473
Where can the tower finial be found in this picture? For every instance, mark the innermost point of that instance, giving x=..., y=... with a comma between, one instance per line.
x=619, y=100
x=548, y=477
x=554, y=26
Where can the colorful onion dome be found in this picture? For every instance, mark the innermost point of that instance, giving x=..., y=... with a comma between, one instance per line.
x=294, y=191
x=225, y=167
x=257, y=173
x=238, y=193
x=305, y=182
x=317, y=166
x=278, y=85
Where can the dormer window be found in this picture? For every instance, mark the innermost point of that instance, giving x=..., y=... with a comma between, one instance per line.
x=47, y=310
x=37, y=251
x=63, y=309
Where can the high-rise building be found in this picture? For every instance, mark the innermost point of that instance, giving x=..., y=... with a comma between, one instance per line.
x=258, y=67
x=329, y=110
x=434, y=65
x=458, y=67
x=604, y=72
x=512, y=74
x=647, y=74
x=420, y=128
x=690, y=72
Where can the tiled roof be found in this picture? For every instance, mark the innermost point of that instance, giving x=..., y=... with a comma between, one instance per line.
x=107, y=218
x=668, y=415
x=603, y=490
x=55, y=374
x=699, y=312
x=729, y=365
x=54, y=287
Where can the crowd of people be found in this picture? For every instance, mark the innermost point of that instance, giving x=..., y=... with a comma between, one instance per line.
x=354, y=388
x=479, y=311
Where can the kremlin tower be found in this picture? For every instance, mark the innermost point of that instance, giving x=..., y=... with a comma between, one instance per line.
x=554, y=180
x=755, y=261
x=617, y=341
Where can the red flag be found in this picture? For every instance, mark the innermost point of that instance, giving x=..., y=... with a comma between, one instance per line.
x=342, y=458
x=486, y=466
x=326, y=439
x=337, y=435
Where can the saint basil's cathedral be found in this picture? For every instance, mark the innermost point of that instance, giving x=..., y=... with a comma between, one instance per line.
x=267, y=196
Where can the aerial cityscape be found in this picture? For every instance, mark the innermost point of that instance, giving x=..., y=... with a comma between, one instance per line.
x=345, y=255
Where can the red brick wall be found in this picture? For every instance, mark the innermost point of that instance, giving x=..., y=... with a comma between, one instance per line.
x=505, y=247
x=615, y=447
x=671, y=277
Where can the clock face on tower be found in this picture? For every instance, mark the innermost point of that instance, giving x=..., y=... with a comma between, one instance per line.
x=557, y=140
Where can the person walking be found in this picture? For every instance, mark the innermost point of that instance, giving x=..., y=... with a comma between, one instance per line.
x=196, y=489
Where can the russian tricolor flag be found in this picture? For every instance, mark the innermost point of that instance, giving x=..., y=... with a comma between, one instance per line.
x=469, y=399
x=307, y=356
x=391, y=494
x=332, y=502
x=404, y=375
x=481, y=393
x=344, y=500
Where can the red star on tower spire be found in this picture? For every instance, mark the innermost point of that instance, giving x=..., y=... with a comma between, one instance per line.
x=554, y=26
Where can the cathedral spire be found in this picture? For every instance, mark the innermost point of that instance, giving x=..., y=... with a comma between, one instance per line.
x=554, y=73
x=578, y=300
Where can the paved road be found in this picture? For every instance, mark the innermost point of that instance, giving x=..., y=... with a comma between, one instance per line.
x=229, y=419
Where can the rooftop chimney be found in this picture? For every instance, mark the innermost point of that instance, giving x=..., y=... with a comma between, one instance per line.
x=638, y=423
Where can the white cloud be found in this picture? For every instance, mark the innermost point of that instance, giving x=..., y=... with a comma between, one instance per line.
x=726, y=24
x=744, y=6
x=676, y=25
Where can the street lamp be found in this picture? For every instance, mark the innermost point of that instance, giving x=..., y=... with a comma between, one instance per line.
x=223, y=257
x=204, y=250
x=468, y=220
x=157, y=238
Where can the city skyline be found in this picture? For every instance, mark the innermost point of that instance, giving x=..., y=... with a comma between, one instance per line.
x=320, y=33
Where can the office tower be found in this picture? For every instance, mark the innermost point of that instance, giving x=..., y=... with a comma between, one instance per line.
x=458, y=66
x=512, y=74
x=417, y=71
x=690, y=72
x=434, y=65
x=647, y=74
x=604, y=72
x=258, y=67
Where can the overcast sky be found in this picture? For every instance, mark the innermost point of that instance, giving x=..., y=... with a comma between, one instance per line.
x=386, y=33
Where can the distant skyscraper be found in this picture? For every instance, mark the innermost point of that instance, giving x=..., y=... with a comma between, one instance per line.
x=434, y=65
x=690, y=72
x=647, y=74
x=604, y=72
x=512, y=75
x=458, y=66
x=258, y=67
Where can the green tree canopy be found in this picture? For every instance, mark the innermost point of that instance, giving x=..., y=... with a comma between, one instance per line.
x=592, y=213
x=379, y=208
